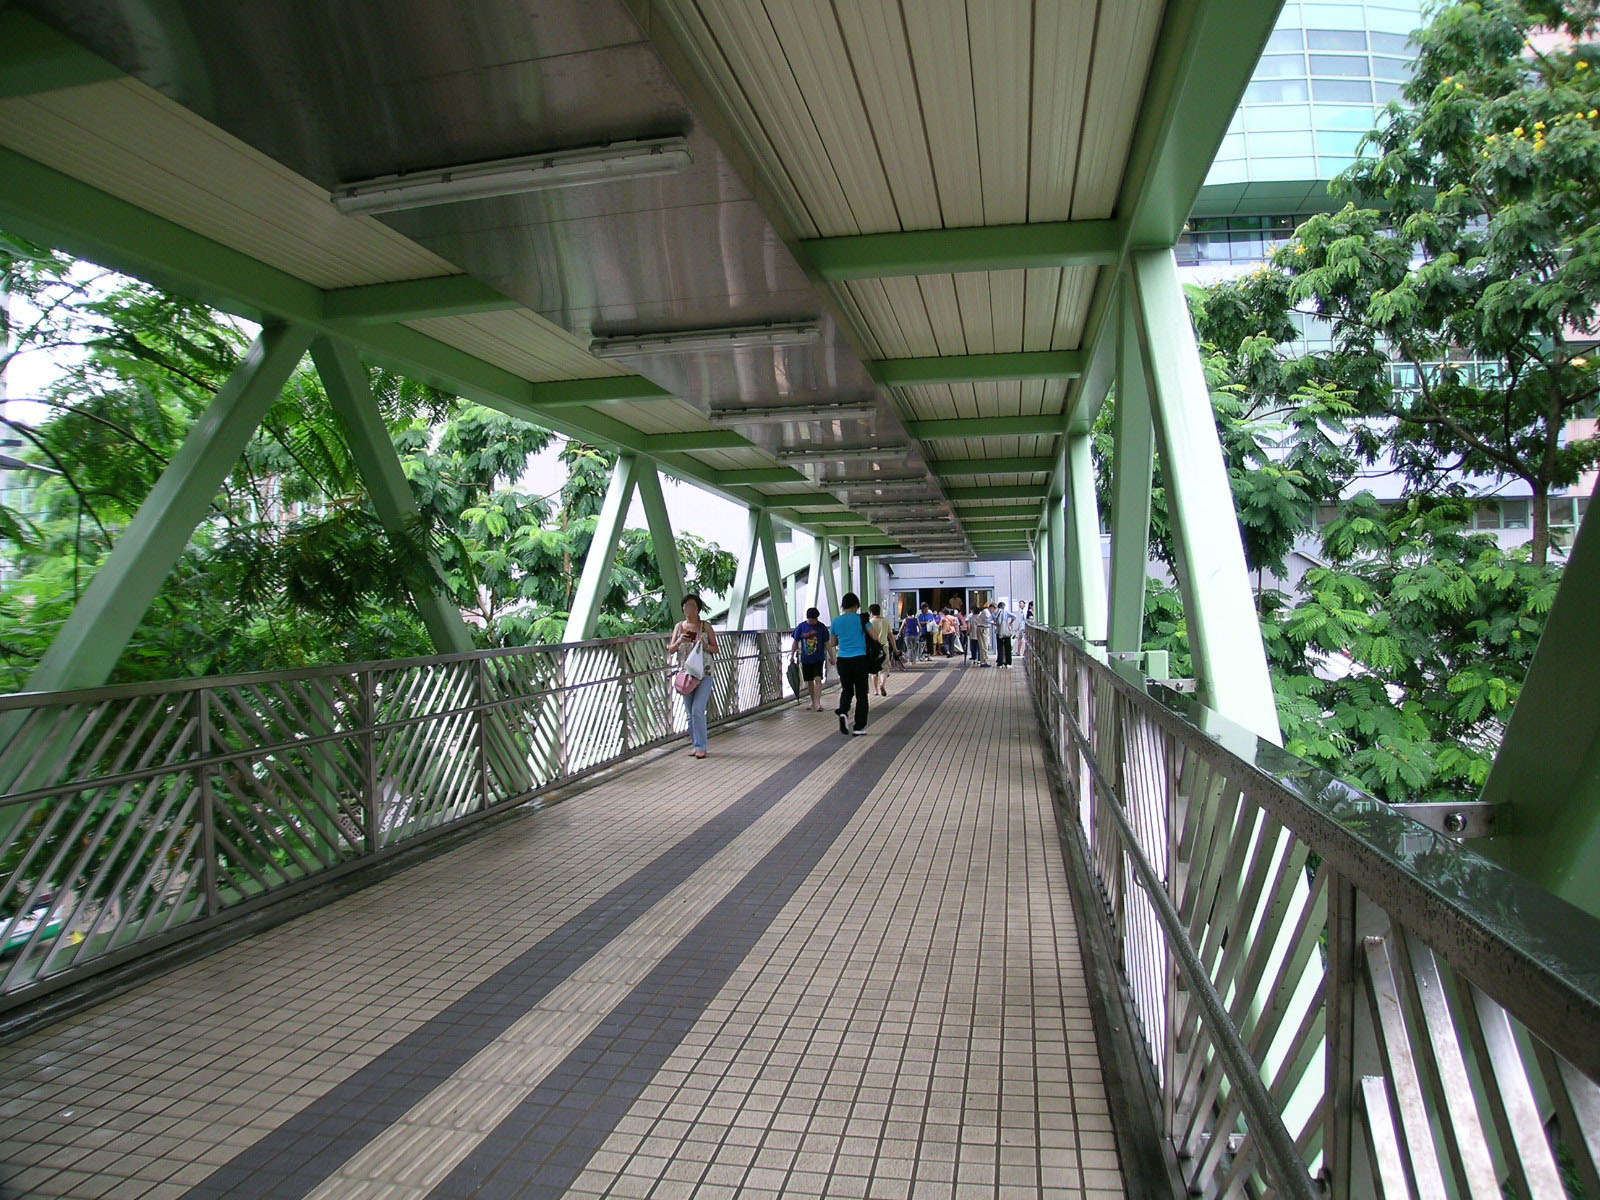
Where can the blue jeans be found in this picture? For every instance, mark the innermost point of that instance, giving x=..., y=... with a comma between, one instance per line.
x=695, y=704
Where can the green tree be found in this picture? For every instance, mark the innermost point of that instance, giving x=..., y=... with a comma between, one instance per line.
x=1487, y=249
x=292, y=567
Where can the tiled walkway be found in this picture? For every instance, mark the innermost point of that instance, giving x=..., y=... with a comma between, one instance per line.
x=808, y=966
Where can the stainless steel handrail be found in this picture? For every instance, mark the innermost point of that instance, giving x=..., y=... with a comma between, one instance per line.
x=1423, y=1021
x=138, y=815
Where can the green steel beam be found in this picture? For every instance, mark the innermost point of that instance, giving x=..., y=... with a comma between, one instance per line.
x=608, y=389
x=993, y=466
x=975, y=508
x=758, y=475
x=824, y=584
x=778, y=615
x=978, y=368
x=413, y=299
x=1547, y=772
x=85, y=650
x=977, y=248
x=744, y=574
x=1224, y=635
x=1009, y=491
x=967, y=427
x=1086, y=580
x=977, y=523
x=1133, y=458
x=662, y=540
x=35, y=58
x=350, y=396
x=585, y=616
x=701, y=439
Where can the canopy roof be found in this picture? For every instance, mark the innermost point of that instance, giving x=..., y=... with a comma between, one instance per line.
x=939, y=196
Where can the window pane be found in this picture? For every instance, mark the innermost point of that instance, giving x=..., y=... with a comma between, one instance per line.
x=1336, y=39
x=1514, y=513
x=1340, y=91
x=1392, y=43
x=1341, y=64
x=1397, y=69
x=1276, y=145
x=1284, y=39
x=1488, y=516
x=1275, y=65
x=1277, y=117
x=1387, y=92
x=1337, y=141
x=1277, y=91
x=1560, y=510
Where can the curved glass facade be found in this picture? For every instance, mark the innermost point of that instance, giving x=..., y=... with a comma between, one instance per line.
x=1325, y=71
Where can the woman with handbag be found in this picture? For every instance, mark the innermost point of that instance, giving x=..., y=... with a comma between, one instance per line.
x=880, y=629
x=852, y=642
x=693, y=640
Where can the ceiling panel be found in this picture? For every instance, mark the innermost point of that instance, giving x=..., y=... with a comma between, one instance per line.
x=1002, y=68
x=942, y=54
x=522, y=342
x=1060, y=82
x=1125, y=37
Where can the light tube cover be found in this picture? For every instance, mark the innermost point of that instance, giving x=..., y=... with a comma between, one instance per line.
x=783, y=414
x=843, y=453
x=689, y=341
x=510, y=176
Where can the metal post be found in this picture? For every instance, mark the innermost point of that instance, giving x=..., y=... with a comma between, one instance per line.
x=585, y=615
x=1131, y=479
x=663, y=541
x=1224, y=637
x=350, y=397
x=480, y=689
x=744, y=580
x=1058, y=567
x=847, y=566
x=369, y=759
x=206, y=801
x=778, y=615
x=86, y=650
x=1547, y=772
x=824, y=588
x=1086, y=579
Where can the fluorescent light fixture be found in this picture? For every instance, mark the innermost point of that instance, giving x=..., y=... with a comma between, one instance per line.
x=882, y=482
x=690, y=341
x=843, y=453
x=796, y=413
x=510, y=176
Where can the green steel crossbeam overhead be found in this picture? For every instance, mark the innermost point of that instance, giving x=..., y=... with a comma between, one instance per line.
x=35, y=58
x=994, y=466
x=978, y=368
x=53, y=208
x=950, y=428
x=974, y=508
x=757, y=475
x=413, y=299
x=976, y=248
x=1008, y=491
x=701, y=439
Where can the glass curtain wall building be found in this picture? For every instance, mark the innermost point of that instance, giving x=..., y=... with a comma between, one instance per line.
x=1326, y=71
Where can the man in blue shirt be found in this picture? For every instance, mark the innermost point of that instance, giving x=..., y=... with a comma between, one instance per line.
x=811, y=647
x=929, y=620
x=850, y=638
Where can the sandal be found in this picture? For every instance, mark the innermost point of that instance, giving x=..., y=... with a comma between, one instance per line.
x=697, y=754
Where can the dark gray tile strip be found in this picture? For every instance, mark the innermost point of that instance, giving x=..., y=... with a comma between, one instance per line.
x=541, y=1147
x=293, y=1159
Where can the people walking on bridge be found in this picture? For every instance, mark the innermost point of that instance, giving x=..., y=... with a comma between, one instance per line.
x=947, y=631
x=810, y=646
x=880, y=629
x=1004, y=631
x=849, y=645
x=910, y=638
x=979, y=629
x=693, y=637
x=929, y=621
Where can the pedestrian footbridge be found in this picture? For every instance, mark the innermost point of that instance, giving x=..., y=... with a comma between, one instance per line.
x=477, y=926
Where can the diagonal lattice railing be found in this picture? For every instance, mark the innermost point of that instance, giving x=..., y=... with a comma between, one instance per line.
x=1332, y=999
x=134, y=816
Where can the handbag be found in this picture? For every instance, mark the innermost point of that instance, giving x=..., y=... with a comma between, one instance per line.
x=794, y=678
x=875, y=651
x=684, y=683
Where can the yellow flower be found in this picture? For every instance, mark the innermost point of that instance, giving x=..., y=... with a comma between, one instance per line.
x=1580, y=361
x=1582, y=66
x=1538, y=124
x=1593, y=113
x=1459, y=87
x=1518, y=131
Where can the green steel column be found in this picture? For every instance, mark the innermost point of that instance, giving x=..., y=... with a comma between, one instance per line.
x=847, y=566
x=795, y=605
x=1058, y=561
x=662, y=540
x=1547, y=773
x=744, y=578
x=1086, y=576
x=777, y=603
x=867, y=571
x=824, y=584
x=350, y=396
x=85, y=651
x=1132, y=470
x=1224, y=636
x=585, y=615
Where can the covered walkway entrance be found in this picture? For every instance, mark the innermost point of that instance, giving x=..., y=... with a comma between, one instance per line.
x=809, y=966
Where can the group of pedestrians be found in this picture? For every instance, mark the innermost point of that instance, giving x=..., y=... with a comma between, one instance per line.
x=989, y=637
x=860, y=648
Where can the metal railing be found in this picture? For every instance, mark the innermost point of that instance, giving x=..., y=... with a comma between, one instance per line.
x=134, y=816
x=1332, y=999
